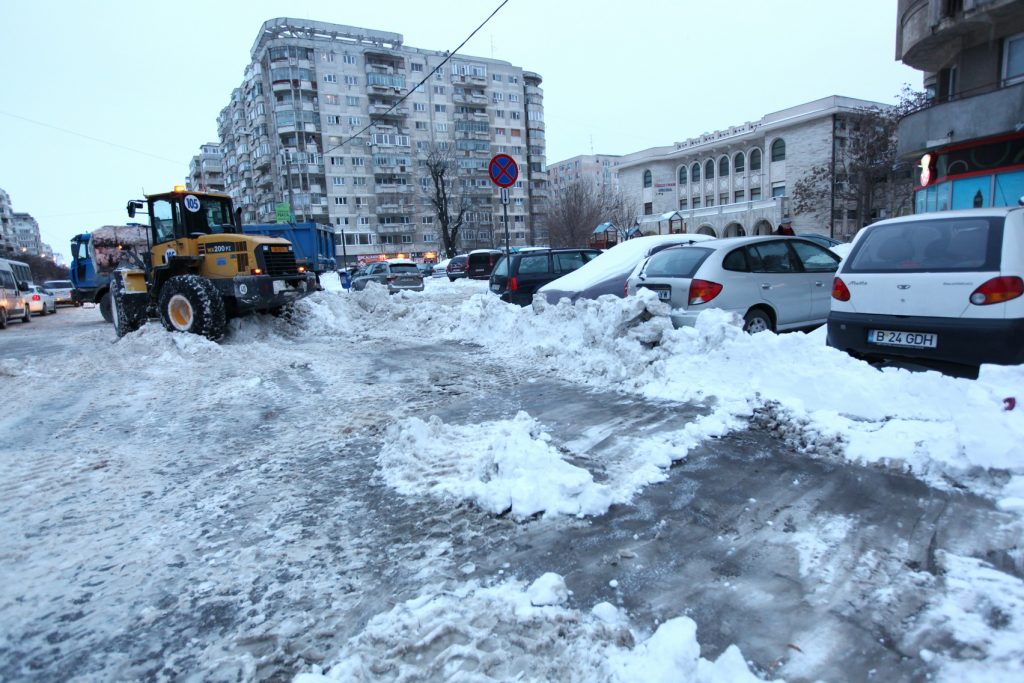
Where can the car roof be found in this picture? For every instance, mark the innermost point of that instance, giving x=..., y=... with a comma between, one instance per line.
x=401, y=261
x=486, y=251
x=992, y=211
x=730, y=242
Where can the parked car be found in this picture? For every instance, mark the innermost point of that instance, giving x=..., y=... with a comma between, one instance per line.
x=773, y=282
x=822, y=240
x=481, y=262
x=607, y=273
x=517, y=277
x=61, y=290
x=426, y=269
x=397, y=274
x=40, y=301
x=13, y=302
x=938, y=288
x=458, y=267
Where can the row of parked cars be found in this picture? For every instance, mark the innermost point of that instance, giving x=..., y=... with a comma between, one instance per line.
x=942, y=289
x=20, y=299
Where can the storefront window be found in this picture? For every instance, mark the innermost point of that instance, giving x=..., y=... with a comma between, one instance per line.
x=1009, y=188
x=972, y=193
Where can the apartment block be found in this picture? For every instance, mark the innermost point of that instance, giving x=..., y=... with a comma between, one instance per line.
x=736, y=181
x=968, y=140
x=27, y=239
x=599, y=169
x=7, y=241
x=206, y=170
x=334, y=124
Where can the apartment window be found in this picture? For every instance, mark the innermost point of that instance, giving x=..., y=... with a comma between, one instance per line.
x=358, y=161
x=341, y=201
x=498, y=97
x=337, y=180
x=438, y=89
x=517, y=133
x=349, y=59
x=330, y=78
x=695, y=173
x=421, y=125
x=512, y=97
x=364, y=220
x=351, y=80
x=499, y=113
x=648, y=179
x=416, y=67
x=723, y=168
x=779, y=150
x=682, y=175
x=419, y=106
x=342, y=221
x=441, y=127
x=1013, y=59
x=515, y=115
x=778, y=189
x=429, y=237
x=427, y=220
x=352, y=100
x=499, y=131
x=358, y=180
x=755, y=160
x=326, y=56
x=496, y=77
x=337, y=161
x=333, y=140
x=354, y=121
x=330, y=99
x=360, y=201
x=406, y=239
x=738, y=196
x=333, y=120
x=737, y=163
x=755, y=193
x=440, y=108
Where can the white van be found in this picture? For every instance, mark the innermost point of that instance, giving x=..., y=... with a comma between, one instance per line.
x=13, y=301
x=944, y=287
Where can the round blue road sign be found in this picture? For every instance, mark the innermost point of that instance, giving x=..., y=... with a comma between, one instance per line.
x=503, y=169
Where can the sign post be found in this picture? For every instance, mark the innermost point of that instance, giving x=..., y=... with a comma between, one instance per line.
x=504, y=171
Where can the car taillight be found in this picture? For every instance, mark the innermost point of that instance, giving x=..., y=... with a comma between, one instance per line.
x=703, y=291
x=997, y=290
x=840, y=292
x=513, y=284
x=35, y=297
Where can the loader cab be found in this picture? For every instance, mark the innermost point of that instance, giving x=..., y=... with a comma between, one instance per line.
x=181, y=215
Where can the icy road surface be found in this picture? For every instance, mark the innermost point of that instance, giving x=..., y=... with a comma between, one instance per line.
x=439, y=486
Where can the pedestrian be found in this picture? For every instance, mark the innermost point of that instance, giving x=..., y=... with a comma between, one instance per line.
x=785, y=227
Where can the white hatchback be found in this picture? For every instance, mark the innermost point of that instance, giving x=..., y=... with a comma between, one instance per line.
x=939, y=288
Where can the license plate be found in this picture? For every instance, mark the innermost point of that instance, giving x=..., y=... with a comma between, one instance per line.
x=495, y=287
x=915, y=340
x=664, y=293
x=278, y=286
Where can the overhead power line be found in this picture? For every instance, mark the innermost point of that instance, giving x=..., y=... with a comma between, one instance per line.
x=89, y=137
x=451, y=54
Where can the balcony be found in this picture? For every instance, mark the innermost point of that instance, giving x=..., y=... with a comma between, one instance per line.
x=393, y=208
x=960, y=120
x=400, y=229
x=926, y=40
x=389, y=188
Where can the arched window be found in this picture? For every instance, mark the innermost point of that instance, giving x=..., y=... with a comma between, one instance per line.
x=779, y=150
x=709, y=169
x=682, y=175
x=648, y=179
x=695, y=173
x=723, y=167
x=737, y=163
x=755, y=160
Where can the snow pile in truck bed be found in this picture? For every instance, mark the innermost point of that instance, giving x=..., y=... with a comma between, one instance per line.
x=497, y=633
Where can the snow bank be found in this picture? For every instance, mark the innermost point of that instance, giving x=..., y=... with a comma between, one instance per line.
x=504, y=466
x=498, y=633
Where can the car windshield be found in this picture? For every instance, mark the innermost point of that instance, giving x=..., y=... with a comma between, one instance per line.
x=680, y=262
x=57, y=284
x=951, y=244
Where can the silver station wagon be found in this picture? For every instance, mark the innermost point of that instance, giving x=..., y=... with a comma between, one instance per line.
x=774, y=283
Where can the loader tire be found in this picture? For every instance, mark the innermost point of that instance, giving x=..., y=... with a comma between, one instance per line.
x=190, y=303
x=121, y=315
x=105, y=302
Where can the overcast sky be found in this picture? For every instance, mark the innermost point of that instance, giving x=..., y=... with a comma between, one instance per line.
x=618, y=77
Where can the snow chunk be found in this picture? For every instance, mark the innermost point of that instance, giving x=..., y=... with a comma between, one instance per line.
x=549, y=589
x=503, y=466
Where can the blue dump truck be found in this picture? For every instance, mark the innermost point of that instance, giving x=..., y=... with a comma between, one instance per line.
x=313, y=243
x=94, y=255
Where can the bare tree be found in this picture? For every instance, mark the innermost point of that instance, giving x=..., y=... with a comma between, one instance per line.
x=622, y=210
x=573, y=211
x=866, y=174
x=445, y=194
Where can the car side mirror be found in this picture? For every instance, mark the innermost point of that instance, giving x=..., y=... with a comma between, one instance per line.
x=22, y=287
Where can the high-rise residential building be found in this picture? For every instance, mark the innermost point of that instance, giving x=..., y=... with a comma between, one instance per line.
x=599, y=169
x=738, y=180
x=26, y=234
x=335, y=124
x=206, y=171
x=968, y=140
x=7, y=241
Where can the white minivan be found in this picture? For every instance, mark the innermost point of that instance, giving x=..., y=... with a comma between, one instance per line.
x=13, y=302
x=941, y=288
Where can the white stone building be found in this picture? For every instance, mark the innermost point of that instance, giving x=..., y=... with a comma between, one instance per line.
x=294, y=136
x=736, y=181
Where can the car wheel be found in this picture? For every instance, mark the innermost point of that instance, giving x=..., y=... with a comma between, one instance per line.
x=756, y=320
x=3, y=318
x=105, y=307
x=190, y=303
x=27, y=318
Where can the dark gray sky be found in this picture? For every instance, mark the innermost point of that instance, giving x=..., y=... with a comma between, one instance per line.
x=618, y=77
